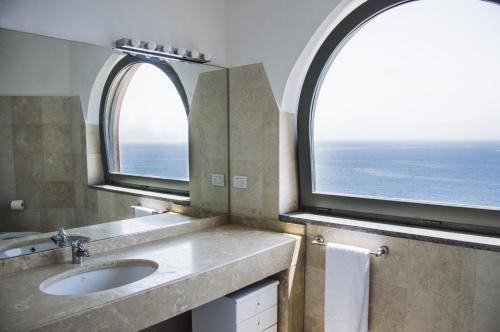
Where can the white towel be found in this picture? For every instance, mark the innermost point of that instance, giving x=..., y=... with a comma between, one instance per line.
x=347, y=274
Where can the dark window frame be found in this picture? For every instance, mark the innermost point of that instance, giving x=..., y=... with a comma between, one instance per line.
x=155, y=184
x=446, y=216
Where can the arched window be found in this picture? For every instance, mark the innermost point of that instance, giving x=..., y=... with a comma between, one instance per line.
x=144, y=126
x=399, y=115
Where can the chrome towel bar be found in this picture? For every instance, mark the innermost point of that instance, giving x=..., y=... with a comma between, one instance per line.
x=382, y=251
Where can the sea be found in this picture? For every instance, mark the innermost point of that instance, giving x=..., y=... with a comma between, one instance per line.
x=169, y=161
x=463, y=173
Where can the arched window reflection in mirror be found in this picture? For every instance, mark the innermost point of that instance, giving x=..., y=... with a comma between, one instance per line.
x=145, y=127
x=404, y=107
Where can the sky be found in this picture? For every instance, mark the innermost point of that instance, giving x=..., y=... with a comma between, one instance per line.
x=152, y=110
x=424, y=70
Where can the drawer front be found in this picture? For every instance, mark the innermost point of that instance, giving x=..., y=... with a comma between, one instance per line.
x=255, y=304
x=273, y=328
x=260, y=322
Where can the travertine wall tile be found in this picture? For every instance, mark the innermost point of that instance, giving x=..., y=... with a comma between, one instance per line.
x=208, y=142
x=314, y=298
x=57, y=138
x=427, y=311
x=56, y=110
x=387, y=311
x=487, y=280
x=7, y=173
x=26, y=110
x=442, y=269
x=26, y=220
x=5, y=111
x=29, y=166
x=7, y=193
x=254, y=137
x=27, y=138
x=58, y=194
x=486, y=318
x=6, y=139
x=39, y=161
x=31, y=193
x=420, y=286
x=59, y=217
x=58, y=167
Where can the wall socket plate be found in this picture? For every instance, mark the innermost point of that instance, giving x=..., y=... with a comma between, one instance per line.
x=240, y=181
x=218, y=180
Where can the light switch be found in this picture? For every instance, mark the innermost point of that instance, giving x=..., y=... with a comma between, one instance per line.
x=240, y=181
x=218, y=180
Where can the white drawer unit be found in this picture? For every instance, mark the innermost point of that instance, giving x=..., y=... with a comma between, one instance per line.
x=251, y=309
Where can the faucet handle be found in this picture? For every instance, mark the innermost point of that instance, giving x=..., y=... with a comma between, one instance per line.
x=86, y=253
x=76, y=244
x=79, y=251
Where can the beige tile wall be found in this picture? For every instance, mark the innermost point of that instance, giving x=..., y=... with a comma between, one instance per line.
x=208, y=142
x=254, y=143
x=262, y=146
x=420, y=286
x=41, y=157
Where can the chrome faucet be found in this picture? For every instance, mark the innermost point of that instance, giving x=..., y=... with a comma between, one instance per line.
x=79, y=252
x=61, y=239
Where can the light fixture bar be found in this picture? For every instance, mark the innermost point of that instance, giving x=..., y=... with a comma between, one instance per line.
x=136, y=46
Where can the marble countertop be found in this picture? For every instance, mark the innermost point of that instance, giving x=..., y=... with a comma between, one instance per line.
x=194, y=269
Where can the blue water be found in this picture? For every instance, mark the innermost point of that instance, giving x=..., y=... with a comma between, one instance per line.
x=168, y=161
x=465, y=173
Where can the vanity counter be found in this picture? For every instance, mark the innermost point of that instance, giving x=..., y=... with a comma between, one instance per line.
x=193, y=269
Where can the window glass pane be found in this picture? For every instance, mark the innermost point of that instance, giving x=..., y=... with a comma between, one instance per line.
x=152, y=133
x=409, y=107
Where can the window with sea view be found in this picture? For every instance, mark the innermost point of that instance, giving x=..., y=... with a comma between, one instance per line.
x=144, y=126
x=153, y=127
x=405, y=108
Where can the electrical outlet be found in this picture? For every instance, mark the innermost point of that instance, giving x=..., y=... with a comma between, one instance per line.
x=218, y=180
x=240, y=181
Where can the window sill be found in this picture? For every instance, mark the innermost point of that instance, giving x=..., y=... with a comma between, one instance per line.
x=177, y=199
x=475, y=241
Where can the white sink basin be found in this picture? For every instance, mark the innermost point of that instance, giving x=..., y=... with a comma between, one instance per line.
x=99, y=278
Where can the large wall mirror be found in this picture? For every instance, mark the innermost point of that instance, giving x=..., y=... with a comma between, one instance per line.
x=87, y=131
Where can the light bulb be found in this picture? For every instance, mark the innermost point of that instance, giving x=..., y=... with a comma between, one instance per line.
x=167, y=48
x=151, y=45
x=181, y=51
x=195, y=54
x=136, y=42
